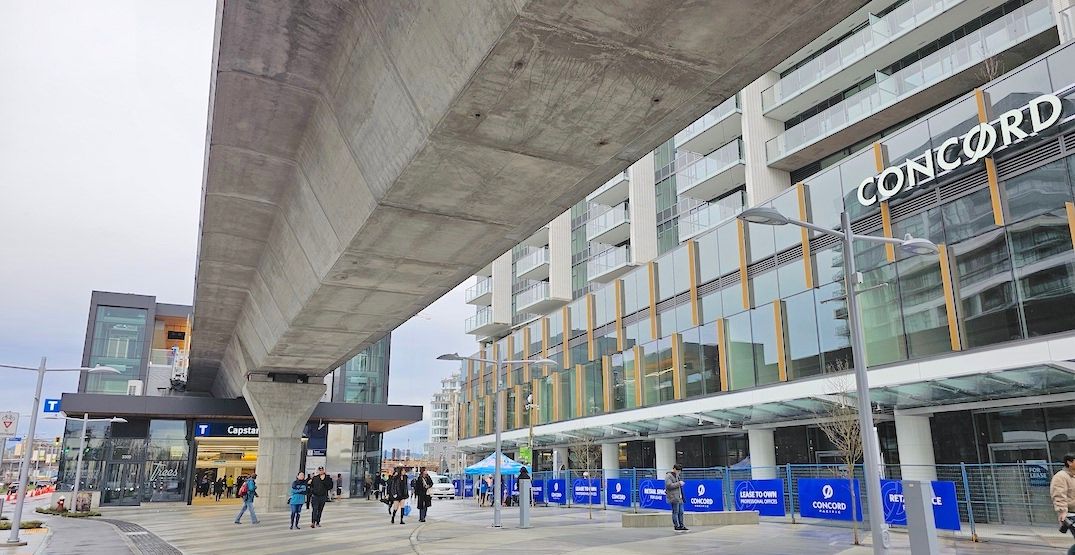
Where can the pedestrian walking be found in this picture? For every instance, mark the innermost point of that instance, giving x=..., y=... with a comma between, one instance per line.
x=218, y=488
x=422, y=486
x=673, y=489
x=1062, y=491
x=320, y=487
x=397, y=493
x=231, y=486
x=483, y=491
x=339, y=485
x=203, y=486
x=248, y=492
x=367, y=485
x=298, y=496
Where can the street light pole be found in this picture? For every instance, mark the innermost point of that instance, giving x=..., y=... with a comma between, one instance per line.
x=24, y=468
x=871, y=451
x=870, y=448
x=496, y=426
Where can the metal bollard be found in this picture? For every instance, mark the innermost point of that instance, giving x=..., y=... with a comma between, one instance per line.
x=918, y=500
x=524, y=503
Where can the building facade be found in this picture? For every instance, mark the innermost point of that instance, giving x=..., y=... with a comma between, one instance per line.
x=683, y=334
x=443, y=445
x=174, y=438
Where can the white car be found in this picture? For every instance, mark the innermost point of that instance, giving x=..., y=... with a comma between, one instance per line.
x=442, y=487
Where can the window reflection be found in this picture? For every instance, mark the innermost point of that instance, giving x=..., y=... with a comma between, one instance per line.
x=801, y=336
x=882, y=324
x=925, y=315
x=740, y=349
x=1043, y=261
x=983, y=273
x=1037, y=191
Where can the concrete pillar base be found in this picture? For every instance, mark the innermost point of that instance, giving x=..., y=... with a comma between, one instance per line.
x=914, y=441
x=762, y=454
x=610, y=460
x=664, y=450
x=281, y=410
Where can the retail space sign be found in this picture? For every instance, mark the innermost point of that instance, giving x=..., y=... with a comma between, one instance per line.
x=618, y=492
x=651, y=494
x=829, y=498
x=586, y=491
x=9, y=422
x=945, y=509
x=558, y=491
x=977, y=143
x=537, y=489
x=764, y=496
x=702, y=496
x=225, y=429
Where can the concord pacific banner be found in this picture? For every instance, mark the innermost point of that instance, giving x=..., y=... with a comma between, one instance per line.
x=829, y=498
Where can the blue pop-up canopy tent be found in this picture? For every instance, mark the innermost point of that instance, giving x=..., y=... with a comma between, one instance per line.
x=486, y=466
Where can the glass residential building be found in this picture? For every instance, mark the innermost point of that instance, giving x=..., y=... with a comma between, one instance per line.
x=682, y=334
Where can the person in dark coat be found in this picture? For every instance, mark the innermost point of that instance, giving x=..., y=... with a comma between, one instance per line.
x=397, y=493
x=218, y=488
x=320, y=488
x=422, y=486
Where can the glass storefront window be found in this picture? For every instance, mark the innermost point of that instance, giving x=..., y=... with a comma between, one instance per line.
x=968, y=216
x=732, y=298
x=728, y=244
x=868, y=254
x=926, y=225
x=825, y=194
x=665, y=277
x=556, y=327
x=712, y=307
x=829, y=264
x=925, y=316
x=761, y=240
x=983, y=272
x=801, y=336
x=693, y=367
x=854, y=170
x=708, y=258
x=577, y=313
x=834, y=334
x=792, y=278
x=1015, y=89
x=740, y=349
x=787, y=236
x=651, y=369
x=567, y=394
x=164, y=480
x=1038, y=191
x=766, y=287
x=593, y=399
x=909, y=142
x=882, y=323
x=763, y=331
x=953, y=121
x=1045, y=272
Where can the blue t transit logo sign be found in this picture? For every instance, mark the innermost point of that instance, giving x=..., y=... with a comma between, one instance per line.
x=51, y=405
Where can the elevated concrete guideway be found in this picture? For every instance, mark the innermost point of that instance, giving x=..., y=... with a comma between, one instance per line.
x=365, y=157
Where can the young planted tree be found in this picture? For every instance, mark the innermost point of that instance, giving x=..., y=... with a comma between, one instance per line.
x=840, y=423
x=587, y=454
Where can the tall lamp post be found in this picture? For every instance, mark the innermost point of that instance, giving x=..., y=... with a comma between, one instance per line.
x=496, y=416
x=16, y=520
x=870, y=449
x=82, y=448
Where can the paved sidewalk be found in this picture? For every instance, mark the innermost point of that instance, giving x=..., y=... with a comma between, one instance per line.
x=458, y=527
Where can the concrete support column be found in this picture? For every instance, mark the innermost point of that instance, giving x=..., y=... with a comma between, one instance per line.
x=665, y=450
x=762, y=454
x=281, y=410
x=914, y=440
x=610, y=460
x=560, y=458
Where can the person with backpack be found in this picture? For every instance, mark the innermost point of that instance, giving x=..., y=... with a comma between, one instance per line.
x=298, y=497
x=247, y=493
x=367, y=485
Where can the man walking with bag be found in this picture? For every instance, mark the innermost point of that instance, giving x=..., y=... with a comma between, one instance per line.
x=247, y=492
x=320, y=486
x=673, y=489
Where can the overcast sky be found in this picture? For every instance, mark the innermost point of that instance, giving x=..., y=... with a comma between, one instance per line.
x=102, y=138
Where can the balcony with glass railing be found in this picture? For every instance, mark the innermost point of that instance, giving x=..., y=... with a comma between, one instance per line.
x=916, y=21
x=537, y=299
x=482, y=324
x=720, y=125
x=167, y=357
x=613, y=191
x=481, y=293
x=611, y=226
x=994, y=38
x=609, y=264
x=1066, y=17
x=695, y=219
x=708, y=177
x=534, y=265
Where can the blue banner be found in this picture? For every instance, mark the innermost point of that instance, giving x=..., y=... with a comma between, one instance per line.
x=1038, y=473
x=702, y=496
x=829, y=498
x=558, y=491
x=537, y=489
x=457, y=485
x=651, y=494
x=468, y=488
x=586, y=491
x=618, y=492
x=945, y=508
x=764, y=496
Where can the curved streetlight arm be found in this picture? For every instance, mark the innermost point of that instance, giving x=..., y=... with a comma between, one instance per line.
x=836, y=233
x=97, y=368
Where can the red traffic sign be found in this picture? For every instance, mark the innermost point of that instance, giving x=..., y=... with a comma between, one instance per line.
x=9, y=422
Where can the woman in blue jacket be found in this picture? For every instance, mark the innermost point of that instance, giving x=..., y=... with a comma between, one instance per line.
x=298, y=497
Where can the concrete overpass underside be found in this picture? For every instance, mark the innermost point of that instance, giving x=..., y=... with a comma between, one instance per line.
x=365, y=157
